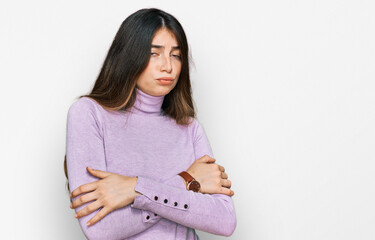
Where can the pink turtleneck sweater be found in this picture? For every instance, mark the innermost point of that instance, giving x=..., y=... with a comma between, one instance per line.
x=147, y=144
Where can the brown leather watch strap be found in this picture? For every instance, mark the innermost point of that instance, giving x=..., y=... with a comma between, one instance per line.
x=186, y=176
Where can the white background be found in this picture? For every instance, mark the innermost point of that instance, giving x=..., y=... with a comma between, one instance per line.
x=284, y=89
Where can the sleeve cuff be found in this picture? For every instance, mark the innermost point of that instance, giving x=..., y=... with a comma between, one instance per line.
x=141, y=186
x=141, y=200
x=156, y=195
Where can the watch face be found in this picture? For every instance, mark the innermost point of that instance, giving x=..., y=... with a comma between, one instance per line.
x=194, y=186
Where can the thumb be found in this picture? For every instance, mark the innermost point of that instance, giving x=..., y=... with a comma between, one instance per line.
x=97, y=173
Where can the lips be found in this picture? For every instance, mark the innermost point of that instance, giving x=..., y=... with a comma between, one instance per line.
x=166, y=78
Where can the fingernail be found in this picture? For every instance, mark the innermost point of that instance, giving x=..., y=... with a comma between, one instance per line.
x=71, y=206
x=88, y=223
x=76, y=215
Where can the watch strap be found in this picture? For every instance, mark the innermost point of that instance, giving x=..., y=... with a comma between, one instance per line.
x=186, y=176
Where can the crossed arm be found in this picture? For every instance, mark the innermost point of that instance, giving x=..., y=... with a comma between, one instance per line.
x=212, y=213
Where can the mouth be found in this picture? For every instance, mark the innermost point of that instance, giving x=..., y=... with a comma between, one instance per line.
x=165, y=81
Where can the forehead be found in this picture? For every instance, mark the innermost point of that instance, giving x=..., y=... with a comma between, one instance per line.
x=164, y=37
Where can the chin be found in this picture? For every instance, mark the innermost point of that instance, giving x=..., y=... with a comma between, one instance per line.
x=164, y=90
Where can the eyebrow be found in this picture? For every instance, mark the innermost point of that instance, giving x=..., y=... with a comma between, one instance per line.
x=161, y=46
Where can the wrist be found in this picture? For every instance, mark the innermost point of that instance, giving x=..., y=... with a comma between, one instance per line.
x=190, y=182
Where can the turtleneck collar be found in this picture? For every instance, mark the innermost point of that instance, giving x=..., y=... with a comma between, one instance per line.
x=146, y=104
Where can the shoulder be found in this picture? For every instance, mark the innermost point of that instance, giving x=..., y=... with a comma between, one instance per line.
x=197, y=129
x=83, y=103
x=85, y=107
x=193, y=124
x=196, y=124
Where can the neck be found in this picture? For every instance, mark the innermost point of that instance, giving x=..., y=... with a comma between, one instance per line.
x=146, y=104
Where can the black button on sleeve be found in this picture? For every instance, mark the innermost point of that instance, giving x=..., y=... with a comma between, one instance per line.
x=156, y=198
x=148, y=217
x=175, y=203
x=155, y=214
x=165, y=200
x=185, y=206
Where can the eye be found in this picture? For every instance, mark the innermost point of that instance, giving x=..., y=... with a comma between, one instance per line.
x=152, y=53
x=177, y=56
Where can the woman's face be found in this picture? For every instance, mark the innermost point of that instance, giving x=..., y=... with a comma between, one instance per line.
x=165, y=62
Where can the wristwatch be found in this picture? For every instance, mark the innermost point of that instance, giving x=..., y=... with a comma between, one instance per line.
x=192, y=184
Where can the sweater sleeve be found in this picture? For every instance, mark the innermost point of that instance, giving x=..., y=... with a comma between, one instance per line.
x=85, y=147
x=213, y=213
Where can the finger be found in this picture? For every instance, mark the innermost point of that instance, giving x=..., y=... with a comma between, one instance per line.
x=104, y=211
x=212, y=160
x=98, y=173
x=226, y=191
x=224, y=175
x=88, y=197
x=84, y=188
x=207, y=159
x=221, y=168
x=88, y=209
x=226, y=183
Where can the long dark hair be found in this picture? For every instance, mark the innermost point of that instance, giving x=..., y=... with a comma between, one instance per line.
x=128, y=57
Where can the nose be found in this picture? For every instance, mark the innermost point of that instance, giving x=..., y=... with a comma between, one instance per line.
x=166, y=64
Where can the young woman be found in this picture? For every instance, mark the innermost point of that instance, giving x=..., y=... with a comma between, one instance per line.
x=139, y=162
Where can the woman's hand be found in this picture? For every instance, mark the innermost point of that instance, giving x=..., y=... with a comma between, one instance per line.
x=211, y=176
x=111, y=192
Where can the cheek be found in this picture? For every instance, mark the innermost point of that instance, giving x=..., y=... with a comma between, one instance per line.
x=178, y=67
x=145, y=76
x=149, y=70
x=153, y=66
